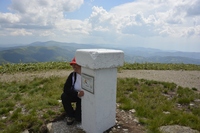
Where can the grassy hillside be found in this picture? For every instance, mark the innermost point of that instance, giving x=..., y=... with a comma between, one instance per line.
x=29, y=54
x=32, y=104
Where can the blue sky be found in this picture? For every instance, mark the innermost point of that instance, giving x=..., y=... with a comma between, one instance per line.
x=161, y=24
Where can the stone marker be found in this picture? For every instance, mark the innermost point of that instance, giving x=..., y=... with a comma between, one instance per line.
x=99, y=80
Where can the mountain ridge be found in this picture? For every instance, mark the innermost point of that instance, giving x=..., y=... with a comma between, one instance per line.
x=61, y=51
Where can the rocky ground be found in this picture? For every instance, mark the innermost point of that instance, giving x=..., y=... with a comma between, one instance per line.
x=126, y=122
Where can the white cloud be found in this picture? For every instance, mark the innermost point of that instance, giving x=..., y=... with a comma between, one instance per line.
x=8, y=18
x=20, y=32
x=140, y=21
x=153, y=17
x=132, y=22
x=47, y=33
x=101, y=18
x=71, y=5
x=191, y=31
x=38, y=13
x=73, y=26
x=104, y=27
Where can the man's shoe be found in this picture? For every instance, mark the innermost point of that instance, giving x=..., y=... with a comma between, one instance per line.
x=70, y=120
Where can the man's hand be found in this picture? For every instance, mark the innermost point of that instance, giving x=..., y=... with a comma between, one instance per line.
x=80, y=93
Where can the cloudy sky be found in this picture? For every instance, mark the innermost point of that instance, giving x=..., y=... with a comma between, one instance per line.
x=161, y=24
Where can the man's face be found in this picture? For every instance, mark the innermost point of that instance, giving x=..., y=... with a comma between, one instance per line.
x=76, y=67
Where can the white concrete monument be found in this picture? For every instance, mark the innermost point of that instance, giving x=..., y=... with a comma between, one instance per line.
x=99, y=81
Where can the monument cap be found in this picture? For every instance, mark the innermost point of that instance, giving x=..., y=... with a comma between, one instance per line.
x=73, y=61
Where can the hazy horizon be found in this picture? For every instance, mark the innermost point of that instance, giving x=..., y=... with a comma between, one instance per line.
x=111, y=46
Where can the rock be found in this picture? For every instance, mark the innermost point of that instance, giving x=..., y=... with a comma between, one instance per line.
x=135, y=120
x=191, y=104
x=197, y=100
x=179, y=105
x=11, y=112
x=125, y=130
x=114, y=129
x=166, y=112
x=3, y=118
x=25, y=131
x=177, y=129
x=122, y=111
x=132, y=110
x=49, y=128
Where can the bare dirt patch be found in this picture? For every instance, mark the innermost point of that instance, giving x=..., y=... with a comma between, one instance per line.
x=182, y=78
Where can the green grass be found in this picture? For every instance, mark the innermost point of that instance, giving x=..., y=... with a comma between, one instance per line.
x=29, y=105
x=151, y=99
x=159, y=66
x=41, y=66
x=30, y=67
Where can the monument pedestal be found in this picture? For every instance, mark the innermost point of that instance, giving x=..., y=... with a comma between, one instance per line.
x=99, y=80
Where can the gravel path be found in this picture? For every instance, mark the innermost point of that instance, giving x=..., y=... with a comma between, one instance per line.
x=182, y=78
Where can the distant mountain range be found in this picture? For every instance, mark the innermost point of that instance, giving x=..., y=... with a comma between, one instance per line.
x=57, y=51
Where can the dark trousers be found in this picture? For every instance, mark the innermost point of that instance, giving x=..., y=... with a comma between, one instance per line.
x=67, y=104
